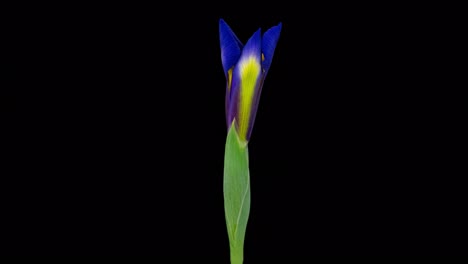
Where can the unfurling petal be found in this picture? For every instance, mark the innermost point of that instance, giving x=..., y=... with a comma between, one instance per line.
x=246, y=81
x=269, y=41
x=231, y=47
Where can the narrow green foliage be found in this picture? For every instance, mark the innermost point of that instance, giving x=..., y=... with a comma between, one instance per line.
x=236, y=193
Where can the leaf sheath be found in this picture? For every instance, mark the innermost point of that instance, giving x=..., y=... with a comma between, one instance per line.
x=236, y=193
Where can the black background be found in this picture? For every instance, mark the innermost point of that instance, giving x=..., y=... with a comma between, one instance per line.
x=120, y=148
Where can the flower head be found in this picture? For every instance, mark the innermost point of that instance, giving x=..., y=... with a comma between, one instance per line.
x=245, y=68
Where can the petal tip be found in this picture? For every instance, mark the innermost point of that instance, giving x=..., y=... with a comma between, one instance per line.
x=253, y=45
x=222, y=22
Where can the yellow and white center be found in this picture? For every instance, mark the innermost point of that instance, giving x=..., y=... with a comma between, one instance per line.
x=249, y=70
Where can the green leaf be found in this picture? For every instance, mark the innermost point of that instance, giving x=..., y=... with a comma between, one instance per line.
x=236, y=193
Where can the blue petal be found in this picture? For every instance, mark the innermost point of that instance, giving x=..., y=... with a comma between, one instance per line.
x=270, y=38
x=231, y=47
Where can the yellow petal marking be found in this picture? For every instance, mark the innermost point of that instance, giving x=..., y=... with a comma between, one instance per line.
x=249, y=73
x=229, y=78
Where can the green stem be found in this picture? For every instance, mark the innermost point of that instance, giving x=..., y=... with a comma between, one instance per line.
x=237, y=255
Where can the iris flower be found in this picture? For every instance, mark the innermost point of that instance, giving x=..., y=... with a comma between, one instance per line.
x=245, y=68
